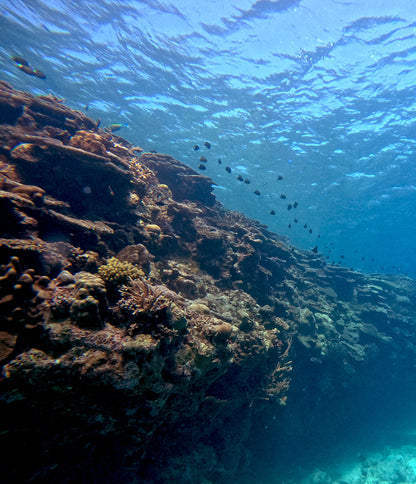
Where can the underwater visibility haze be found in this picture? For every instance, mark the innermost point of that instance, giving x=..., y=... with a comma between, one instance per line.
x=318, y=93
x=149, y=334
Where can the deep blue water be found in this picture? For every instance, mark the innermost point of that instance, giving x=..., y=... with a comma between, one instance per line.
x=322, y=93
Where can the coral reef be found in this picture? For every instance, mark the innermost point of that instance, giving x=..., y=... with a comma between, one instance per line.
x=117, y=272
x=22, y=294
x=148, y=334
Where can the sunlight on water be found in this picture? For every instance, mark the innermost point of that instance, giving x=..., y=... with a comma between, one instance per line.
x=321, y=93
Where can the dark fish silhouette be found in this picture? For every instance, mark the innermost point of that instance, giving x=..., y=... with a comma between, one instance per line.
x=219, y=161
x=272, y=212
x=295, y=204
x=202, y=167
x=240, y=178
x=310, y=231
x=305, y=226
x=256, y=192
x=228, y=169
x=280, y=177
x=315, y=249
x=24, y=66
x=247, y=181
x=289, y=226
x=26, y=69
x=20, y=60
x=196, y=147
x=289, y=207
x=208, y=145
x=283, y=196
x=203, y=159
x=39, y=74
x=296, y=220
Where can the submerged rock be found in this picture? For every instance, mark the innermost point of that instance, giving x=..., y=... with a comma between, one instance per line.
x=146, y=331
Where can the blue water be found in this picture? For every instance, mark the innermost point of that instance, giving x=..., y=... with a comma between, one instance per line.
x=320, y=92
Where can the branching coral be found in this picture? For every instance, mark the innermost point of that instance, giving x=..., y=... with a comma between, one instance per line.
x=147, y=308
x=117, y=272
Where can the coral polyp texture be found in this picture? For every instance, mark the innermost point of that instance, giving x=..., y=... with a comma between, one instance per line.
x=147, y=334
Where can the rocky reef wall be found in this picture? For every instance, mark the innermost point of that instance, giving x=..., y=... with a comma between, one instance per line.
x=147, y=334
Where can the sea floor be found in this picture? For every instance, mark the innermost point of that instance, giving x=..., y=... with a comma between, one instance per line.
x=387, y=465
x=382, y=456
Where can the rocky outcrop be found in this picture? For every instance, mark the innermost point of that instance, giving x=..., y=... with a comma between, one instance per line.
x=148, y=334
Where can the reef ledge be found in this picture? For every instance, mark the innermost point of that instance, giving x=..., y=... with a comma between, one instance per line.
x=147, y=334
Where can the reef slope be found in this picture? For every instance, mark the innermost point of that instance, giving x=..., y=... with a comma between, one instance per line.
x=149, y=335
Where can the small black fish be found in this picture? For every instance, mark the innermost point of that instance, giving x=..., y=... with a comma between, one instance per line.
x=20, y=60
x=315, y=249
x=305, y=226
x=26, y=69
x=240, y=178
x=283, y=196
x=219, y=161
x=319, y=236
x=272, y=212
x=296, y=220
x=289, y=226
x=208, y=145
x=295, y=204
x=228, y=169
x=289, y=207
x=342, y=257
x=280, y=177
x=203, y=159
x=196, y=147
x=256, y=192
x=310, y=231
x=202, y=167
x=247, y=181
x=39, y=74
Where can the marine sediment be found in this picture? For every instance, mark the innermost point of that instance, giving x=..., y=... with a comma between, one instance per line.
x=147, y=334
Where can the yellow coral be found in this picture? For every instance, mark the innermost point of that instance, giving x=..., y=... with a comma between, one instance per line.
x=117, y=272
x=90, y=142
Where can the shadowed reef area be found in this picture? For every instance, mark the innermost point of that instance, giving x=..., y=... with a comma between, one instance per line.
x=147, y=334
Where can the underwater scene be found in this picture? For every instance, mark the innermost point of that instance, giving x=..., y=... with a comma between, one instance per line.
x=207, y=241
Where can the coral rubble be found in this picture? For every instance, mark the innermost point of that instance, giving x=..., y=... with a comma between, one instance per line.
x=148, y=333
